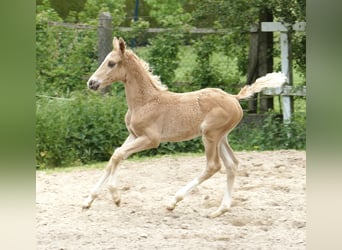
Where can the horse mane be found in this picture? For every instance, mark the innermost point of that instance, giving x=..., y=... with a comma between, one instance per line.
x=155, y=80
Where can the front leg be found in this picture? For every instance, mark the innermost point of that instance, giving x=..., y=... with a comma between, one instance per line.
x=133, y=146
x=95, y=190
x=110, y=170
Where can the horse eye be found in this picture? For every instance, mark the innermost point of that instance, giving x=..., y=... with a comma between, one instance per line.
x=111, y=64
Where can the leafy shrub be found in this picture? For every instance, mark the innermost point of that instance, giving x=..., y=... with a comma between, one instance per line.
x=85, y=128
x=213, y=68
x=163, y=56
x=204, y=73
x=88, y=127
x=271, y=134
x=64, y=56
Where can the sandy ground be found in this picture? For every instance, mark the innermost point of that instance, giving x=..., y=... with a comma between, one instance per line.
x=268, y=210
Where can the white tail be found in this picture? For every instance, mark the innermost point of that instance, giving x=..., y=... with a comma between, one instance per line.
x=271, y=80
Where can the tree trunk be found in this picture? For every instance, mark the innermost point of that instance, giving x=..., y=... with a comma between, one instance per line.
x=265, y=57
x=252, y=66
x=260, y=61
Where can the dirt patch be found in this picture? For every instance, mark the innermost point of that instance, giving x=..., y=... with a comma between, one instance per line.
x=268, y=209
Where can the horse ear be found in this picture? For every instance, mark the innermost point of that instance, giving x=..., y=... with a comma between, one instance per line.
x=116, y=44
x=122, y=45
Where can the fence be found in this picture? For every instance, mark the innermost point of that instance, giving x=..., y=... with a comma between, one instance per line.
x=187, y=55
x=104, y=31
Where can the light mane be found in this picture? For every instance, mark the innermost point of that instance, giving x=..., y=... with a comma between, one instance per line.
x=155, y=80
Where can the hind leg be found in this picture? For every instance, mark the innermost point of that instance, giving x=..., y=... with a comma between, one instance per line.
x=231, y=163
x=213, y=165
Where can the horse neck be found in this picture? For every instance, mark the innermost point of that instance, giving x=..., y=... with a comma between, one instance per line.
x=139, y=88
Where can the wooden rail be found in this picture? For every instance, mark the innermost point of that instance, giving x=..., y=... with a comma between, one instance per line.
x=286, y=90
x=149, y=30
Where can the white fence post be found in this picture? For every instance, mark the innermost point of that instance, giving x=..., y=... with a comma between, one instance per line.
x=286, y=68
x=286, y=58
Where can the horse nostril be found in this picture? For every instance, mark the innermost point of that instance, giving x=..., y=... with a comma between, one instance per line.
x=92, y=84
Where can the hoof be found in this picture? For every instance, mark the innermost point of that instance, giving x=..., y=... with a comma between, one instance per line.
x=117, y=202
x=116, y=197
x=213, y=215
x=84, y=208
x=217, y=213
x=87, y=203
x=171, y=207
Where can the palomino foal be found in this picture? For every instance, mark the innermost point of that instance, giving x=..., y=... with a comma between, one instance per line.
x=157, y=115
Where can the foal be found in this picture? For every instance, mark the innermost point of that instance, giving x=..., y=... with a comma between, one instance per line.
x=157, y=115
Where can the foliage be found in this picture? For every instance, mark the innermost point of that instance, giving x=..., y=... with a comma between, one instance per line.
x=64, y=57
x=271, y=134
x=163, y=55
x=84, y=128
x=88, y=127
x=138, y=36
x=169, y=13
x=93, y=8
x=85, y=11
x=204, y=73
x=239, y=15
x=299, y=51
x=66, y=7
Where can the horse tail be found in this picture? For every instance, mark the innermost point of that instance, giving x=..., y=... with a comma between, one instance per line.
x=271, y=80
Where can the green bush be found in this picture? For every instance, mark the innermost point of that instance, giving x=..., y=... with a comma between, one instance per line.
x=163, y=56
x=271, y=134
x=204, y=74
x=82, y=129
x=213, y=68
x=64, y=57
x=88, y=127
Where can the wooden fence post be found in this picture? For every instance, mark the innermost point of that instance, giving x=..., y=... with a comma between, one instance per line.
x=105, y=35
x=252, y=66
x=105, y=40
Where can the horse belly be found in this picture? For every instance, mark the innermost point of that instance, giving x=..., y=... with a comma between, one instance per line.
x=180, y=126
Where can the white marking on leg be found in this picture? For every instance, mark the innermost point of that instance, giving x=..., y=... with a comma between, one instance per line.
x=185, y=190
x=112, y=186
x=230, y=162
x=182, y=193
x=225, y=204
x=94, y=191
x=226, y=200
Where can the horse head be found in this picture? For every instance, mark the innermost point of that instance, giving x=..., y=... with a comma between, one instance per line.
x=111, y=69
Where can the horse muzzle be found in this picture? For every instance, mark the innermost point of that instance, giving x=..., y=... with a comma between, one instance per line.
x=93, y=84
